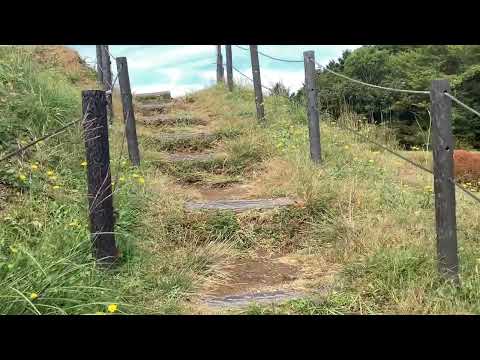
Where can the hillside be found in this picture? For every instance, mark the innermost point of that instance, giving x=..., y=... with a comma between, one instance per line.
x=354, y=235
x=404, y=67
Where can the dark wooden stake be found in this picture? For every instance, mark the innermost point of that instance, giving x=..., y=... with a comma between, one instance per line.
x=257, y=83
x=228, y=50
x=312, y=108
x=442, y=146
x=107, y=80
x=220, y=79
x=99, y=64
x=100, y=200
x=128, y=113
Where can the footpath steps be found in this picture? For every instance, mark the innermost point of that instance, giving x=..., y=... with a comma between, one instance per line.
x=196, y=148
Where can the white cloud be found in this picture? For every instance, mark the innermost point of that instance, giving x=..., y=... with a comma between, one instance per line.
x=188, y=64
x=142, y=61
x=175, y=90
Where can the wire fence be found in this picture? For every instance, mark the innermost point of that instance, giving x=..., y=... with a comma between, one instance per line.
x=358, y=133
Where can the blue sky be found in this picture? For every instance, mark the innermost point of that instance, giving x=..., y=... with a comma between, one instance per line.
x=185, y=68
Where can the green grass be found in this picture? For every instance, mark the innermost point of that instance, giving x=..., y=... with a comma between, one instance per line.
x=46, y=266
x=365, y=215
x=366, y=212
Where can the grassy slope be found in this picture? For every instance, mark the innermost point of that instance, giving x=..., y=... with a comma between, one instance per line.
x=366, y=212
x=367, y=216
x=45, y=261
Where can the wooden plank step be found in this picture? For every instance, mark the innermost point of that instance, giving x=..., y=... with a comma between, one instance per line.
x=179, y=136
x=160, y=94
x=239, y=205
x=165, y=120
x=243, y=300
x=200, y=157
x=154, y=108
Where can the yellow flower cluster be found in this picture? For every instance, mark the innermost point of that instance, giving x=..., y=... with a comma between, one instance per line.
x=111, y=308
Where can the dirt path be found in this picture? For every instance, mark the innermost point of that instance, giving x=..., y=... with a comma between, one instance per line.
x=259, y=277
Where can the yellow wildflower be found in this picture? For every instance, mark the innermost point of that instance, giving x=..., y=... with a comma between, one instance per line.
x=121, y=179
x=33, y=167
x=33, y=296
x=56, y=187
x=50, y=173
x=141, y=180
x=84, y=163
x=22, y=177
x=112, y=308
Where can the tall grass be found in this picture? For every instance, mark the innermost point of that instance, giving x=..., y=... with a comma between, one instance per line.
x=366, y=212
x=46, y=266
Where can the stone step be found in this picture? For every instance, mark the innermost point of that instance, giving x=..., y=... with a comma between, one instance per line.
x=154, y=108
x=164, y=120
x=181, y=140
x=162, y=95
x=243, y=300
x=201, y=157
x=239, y=205
x=179, y=136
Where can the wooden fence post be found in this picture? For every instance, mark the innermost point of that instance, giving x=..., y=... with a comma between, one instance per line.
x=228, y=50
x=443, y=146
x=220, y=79
x=107, y=80
x=312, y=108
x=257, y=83
x=94, y=105
x=99, y=64
x=128, y=113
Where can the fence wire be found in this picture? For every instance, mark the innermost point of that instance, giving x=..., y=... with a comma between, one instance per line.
x=393, y=152
x=270, y=56
x=357, y=133
x=109, y=53
x=462, y=104
x=372, y=85
x=45, y=137
x=245, y=76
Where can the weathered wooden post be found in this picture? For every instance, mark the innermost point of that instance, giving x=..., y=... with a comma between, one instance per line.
x=228, y=50
x=444, y=187
x=257, y=83
x=128, y=113
x=220, y=79
x=107, y=80
x=94, y=104
x=99, y=64
x=312, y=108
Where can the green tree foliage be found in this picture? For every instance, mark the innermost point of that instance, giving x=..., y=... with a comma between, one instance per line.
x=405, y=67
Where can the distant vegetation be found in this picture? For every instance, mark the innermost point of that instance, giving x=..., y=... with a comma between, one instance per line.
x=405, y=67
